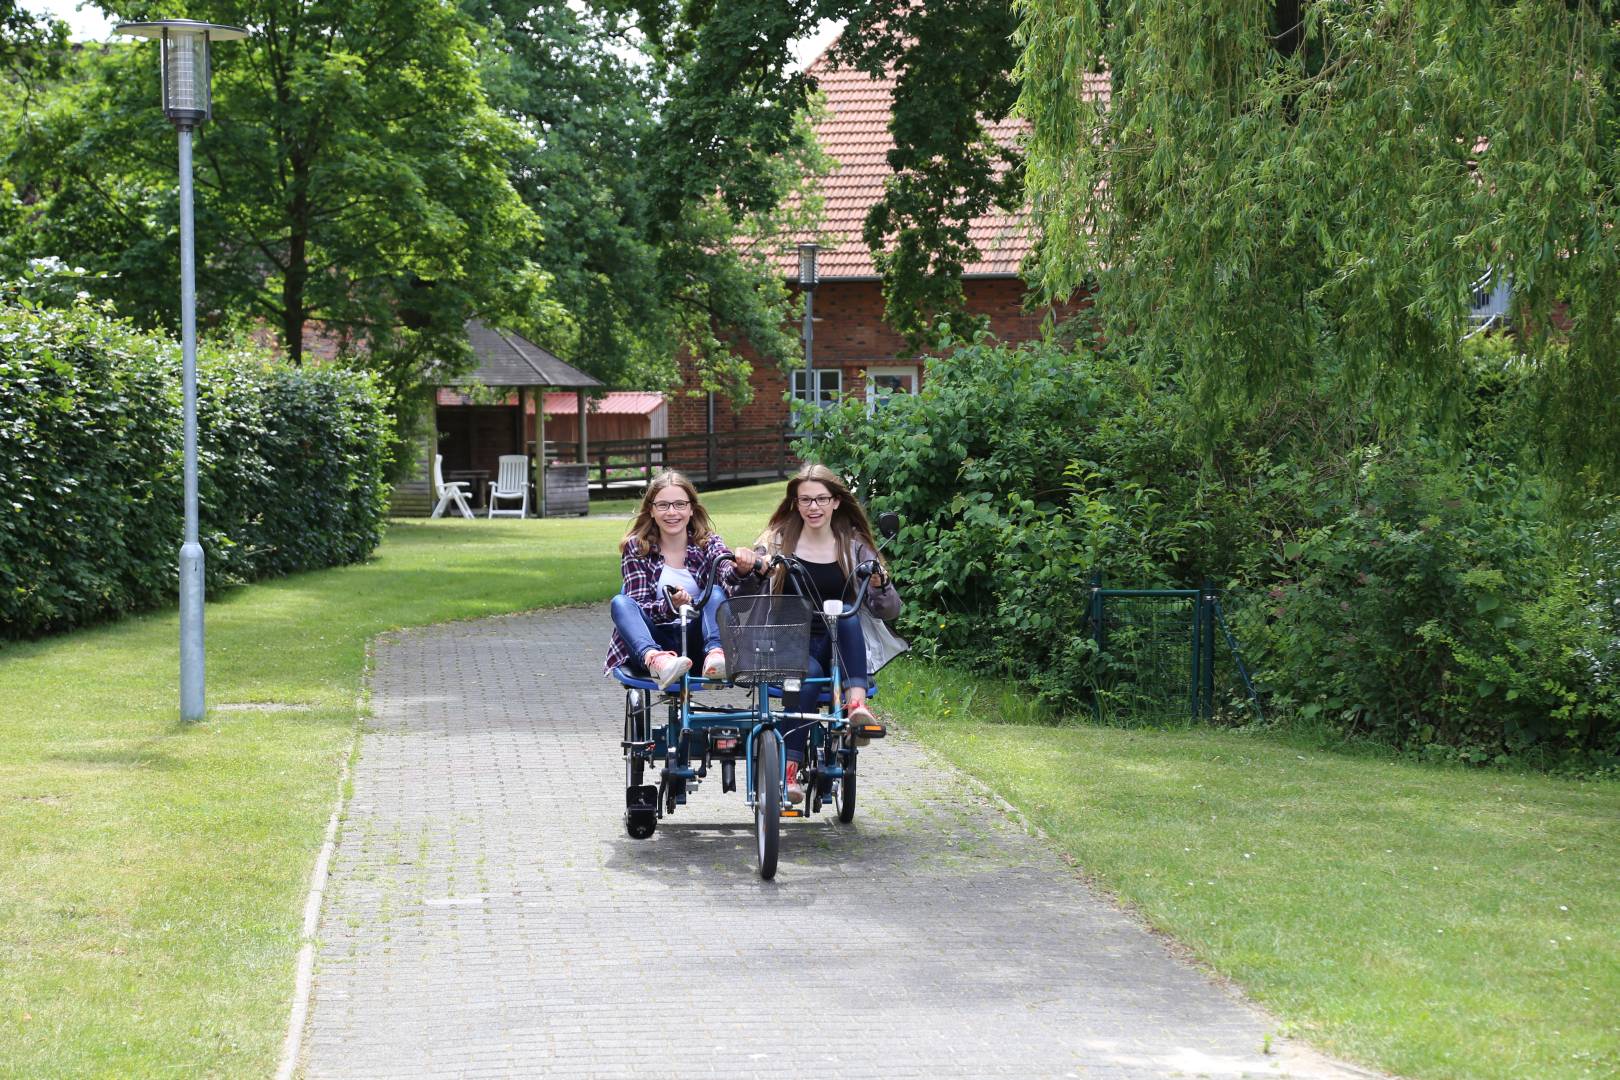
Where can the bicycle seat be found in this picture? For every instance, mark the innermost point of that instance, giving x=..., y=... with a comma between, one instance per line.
x=630, y=680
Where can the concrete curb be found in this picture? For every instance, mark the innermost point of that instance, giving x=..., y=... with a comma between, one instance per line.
x=303, y=982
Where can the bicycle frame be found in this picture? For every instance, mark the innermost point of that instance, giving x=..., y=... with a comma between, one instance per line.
x=697, y=736
x=694, y=718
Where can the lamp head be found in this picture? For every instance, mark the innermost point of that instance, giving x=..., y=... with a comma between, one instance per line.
x=807, y=265
x=184, y=61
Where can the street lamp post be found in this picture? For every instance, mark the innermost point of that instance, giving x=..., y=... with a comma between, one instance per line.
x=184, y=62
x=807, y=283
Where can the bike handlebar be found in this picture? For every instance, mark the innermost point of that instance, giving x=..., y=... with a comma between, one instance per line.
x=699, y=602
x=863, y=575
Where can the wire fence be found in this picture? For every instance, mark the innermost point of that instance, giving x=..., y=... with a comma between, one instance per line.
x=1167, y=655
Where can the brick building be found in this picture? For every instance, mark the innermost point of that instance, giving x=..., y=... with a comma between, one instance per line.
x=855, y=352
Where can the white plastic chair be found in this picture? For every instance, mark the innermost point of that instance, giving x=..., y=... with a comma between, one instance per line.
x=452, y=494
x=512, y=482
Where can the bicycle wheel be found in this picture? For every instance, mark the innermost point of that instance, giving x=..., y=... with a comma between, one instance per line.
x=637, y=722
x=767, y=800
x=845, y=797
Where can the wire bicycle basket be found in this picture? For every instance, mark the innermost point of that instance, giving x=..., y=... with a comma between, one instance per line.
x=766, y=638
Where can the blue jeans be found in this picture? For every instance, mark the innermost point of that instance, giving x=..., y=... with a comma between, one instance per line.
x=851, y=672
x=641, y=633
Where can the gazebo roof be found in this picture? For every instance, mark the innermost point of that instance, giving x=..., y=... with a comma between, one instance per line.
x=508, y=359
x=612, y=403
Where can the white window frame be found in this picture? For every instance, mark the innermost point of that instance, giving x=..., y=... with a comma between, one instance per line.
x=798, y=387
x=877, y=371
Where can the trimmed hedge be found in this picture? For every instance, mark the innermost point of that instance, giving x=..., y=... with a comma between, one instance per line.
x=291, y=468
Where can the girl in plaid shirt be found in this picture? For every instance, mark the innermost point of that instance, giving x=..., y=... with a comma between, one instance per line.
x=646, y=632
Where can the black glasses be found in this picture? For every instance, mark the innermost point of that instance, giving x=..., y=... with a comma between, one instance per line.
x=666, y=507
x=818, y=501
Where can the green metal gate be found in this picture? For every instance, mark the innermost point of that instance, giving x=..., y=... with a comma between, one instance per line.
x=1157, y=651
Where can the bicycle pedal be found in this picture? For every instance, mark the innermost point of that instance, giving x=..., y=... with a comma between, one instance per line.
x=868, y=731
x=793, y=811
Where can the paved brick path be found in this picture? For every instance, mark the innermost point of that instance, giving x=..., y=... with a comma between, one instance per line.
x=488, y=916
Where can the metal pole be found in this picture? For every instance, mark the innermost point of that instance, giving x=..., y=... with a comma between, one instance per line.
x=1206, y=604
x=709, y=444
x=540, y=451
x=813, y=393
x=192, y=701
x=584, y=437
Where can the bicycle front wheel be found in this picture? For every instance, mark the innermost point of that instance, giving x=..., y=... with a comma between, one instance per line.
x=767, y=800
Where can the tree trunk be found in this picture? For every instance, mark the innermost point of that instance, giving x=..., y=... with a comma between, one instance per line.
x=293, y=311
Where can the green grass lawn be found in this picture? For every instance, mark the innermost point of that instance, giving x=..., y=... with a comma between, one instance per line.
x=1433, y=922
x=152, y=876
x=1429, y=921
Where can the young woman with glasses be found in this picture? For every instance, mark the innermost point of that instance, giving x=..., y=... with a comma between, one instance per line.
x=820, y=523
x=667, y=554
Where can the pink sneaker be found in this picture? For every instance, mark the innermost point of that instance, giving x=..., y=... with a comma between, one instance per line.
x=795, y=790
x=667, y=667
x=863, y=726
x=714, y=665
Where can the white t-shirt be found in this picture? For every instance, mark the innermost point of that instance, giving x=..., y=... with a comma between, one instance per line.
x=680, y=578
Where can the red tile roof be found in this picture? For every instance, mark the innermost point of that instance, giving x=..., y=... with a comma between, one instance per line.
x=855, y=134
x=613, y=403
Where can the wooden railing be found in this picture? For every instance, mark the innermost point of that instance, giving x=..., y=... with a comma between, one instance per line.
x=757, y=454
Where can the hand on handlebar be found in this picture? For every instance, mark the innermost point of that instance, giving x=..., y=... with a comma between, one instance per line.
x=867, y=574
x=743, y=559
x=873, y=570
x=679, y=598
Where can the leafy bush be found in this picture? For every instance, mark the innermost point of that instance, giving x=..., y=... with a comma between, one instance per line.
x=290, y=467
x=1437, y=611
x=1425, y=598
x=1020, y=472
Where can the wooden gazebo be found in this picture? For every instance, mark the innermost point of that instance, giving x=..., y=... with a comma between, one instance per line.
x=485, y=413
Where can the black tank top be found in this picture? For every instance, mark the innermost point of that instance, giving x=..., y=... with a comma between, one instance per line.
x=829, y=581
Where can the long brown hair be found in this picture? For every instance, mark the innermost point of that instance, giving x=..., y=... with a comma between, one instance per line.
x=644, y=531
x=848, y=521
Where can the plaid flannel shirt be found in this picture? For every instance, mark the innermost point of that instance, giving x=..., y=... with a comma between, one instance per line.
x=641, y=571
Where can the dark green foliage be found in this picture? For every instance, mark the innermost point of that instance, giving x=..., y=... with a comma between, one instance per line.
x=1393, y=588
x=291, y=468
x=31, y=46
x=646, y=268
x=954, y=62
x=1437, y=609
x=733, y=105
x=1019, y=472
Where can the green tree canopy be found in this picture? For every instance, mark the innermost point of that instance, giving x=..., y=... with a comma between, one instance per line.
x=1277, y=192
x=354, y=176
x=30, y=46
x=643, y=279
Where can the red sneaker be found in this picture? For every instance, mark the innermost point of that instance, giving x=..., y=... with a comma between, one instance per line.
x=795, y=790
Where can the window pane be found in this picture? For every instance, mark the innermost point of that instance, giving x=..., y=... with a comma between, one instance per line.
x=829, y=384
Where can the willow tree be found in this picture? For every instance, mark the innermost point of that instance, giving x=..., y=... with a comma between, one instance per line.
x=1279, y=193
